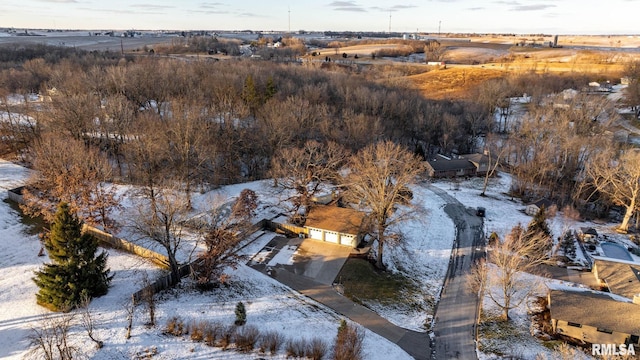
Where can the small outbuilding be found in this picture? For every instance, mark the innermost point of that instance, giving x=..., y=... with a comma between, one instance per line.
x=588, y=234
x=336, y=225
x=533, y=208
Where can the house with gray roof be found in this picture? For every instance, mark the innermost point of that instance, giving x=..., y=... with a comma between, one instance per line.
x=619, y=276
x=444, y=167
x=594, y=317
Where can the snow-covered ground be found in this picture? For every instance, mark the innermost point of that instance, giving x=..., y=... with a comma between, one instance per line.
x=270, y=305
x=423, y=255
x=515, y=340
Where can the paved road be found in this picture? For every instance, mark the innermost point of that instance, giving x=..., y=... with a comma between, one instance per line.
x=455, y=316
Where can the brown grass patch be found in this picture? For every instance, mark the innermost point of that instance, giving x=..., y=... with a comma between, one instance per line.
x=452, y=83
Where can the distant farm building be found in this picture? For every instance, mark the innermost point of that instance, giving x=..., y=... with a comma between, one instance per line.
x=438, y=64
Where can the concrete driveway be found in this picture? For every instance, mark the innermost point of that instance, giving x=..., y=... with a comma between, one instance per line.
x=310, y=267
x=316, y=260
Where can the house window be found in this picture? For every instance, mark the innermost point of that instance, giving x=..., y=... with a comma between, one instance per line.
x=573, y=324
x=605, y=331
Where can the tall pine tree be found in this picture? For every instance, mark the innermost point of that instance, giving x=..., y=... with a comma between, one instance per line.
x=75, y=270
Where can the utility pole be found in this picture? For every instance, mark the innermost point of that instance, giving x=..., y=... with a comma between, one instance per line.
x=289, y=20
x=389, y=22
x=439, y=24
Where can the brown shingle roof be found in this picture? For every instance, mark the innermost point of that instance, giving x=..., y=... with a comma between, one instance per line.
x=333, y=218
x=476, y=158
x=622, y=277
x=595, y=309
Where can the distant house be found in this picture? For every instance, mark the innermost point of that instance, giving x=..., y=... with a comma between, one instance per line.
x=335, y=225
x=618, y=276
x=324, y=199
x=480, y=161
x=594, y=317
x=595, y=86
x=465, y=165
x=533, y=208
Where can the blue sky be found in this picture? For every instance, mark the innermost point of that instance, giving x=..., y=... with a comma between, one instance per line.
x=518, y=16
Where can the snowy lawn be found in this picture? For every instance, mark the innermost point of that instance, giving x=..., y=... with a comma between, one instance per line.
x=515, y=339
x=270, y=305
x=422, y=255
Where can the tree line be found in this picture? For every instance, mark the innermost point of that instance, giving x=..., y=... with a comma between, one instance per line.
x=157, y=121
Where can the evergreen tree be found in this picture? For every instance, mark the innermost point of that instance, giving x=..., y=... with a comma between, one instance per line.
x=75, y=270
x=538, y=230
x=241, y=314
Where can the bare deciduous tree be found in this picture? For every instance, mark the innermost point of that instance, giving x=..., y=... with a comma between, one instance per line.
x=378, y=180
x=160, y=218
x=50, y=339
x=87, y=320
x=434, y=51
x=148, y=297
x=305, y=171
x=223, y=237
x=130, y=309
x=511, y=258
x=70, y=171
x=617, y=177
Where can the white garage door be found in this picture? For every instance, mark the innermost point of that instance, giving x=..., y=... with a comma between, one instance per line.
x=330, y=236
x=315, y=234
x=346, y=240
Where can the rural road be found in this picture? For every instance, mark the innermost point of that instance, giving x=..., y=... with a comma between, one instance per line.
x=455, y=317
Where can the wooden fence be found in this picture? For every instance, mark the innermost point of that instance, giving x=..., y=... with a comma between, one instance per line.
x=289, y=229
x=163, y=282
x=127, y=246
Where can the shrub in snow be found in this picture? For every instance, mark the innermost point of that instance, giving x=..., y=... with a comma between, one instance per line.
x=212, y=333
x=348, y=345
x=176, y=327
x=198, y=330
x=246, y=338
x=241, y=314
x=227, y=336
x=296, y=348
x=271, y=341
x=316, y=349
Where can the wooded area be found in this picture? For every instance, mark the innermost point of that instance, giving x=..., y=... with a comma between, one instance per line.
x=157, y=122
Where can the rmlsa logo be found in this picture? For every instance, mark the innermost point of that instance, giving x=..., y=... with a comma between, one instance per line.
x=612, y=349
